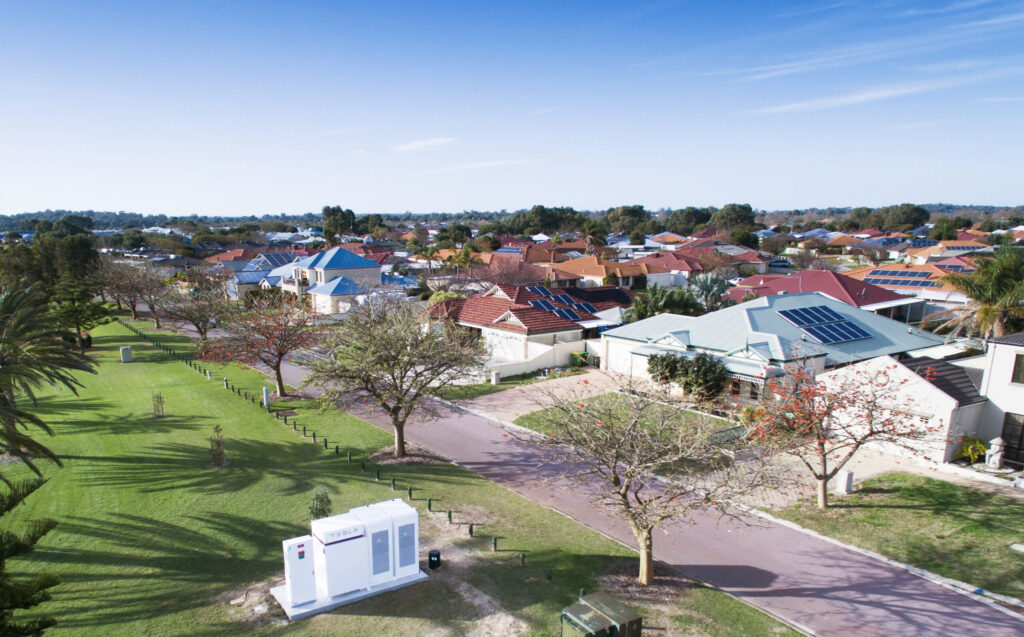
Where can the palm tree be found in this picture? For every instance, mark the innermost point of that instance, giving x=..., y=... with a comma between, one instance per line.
x=428, y=253
x=709, y=288
x=658, y=300
x=996, y=295
x=32, y=355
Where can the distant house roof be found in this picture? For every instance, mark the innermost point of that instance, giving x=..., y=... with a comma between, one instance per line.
x=598, y=267
x=270, y=260
x=952, y=380
x=900, y=277
x=672, y=261
x=250, y=277
x=842, y=288
x=667, y=238
x=757, y=325
x=240, y=254
x=337, y=259
x=341, y=286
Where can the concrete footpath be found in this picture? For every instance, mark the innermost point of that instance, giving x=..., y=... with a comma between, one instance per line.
x=824, y=588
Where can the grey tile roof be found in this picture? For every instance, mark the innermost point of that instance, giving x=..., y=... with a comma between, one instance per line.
x=758, y=325
x=1009, y=339
x=950, y=379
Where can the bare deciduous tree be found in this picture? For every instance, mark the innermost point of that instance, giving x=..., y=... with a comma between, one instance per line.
x=199, y=300
x=620, y=443
x=268, y=331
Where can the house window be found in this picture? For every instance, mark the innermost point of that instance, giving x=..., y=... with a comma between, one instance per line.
x=753, y=391
x=1013, y=436
x=1018, y=369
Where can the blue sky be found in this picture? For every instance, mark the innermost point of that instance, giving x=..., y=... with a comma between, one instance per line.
x=252, y=108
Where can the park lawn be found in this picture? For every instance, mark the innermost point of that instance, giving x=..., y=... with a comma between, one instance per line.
x=955, y=531
x=471, y=392
x=153, y=540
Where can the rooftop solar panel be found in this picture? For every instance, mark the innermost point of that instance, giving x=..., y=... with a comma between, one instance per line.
x=567, y=314
x=543, y=290
x=564, y=298
x=841, y=332
x=589, y=308
x=535, y=289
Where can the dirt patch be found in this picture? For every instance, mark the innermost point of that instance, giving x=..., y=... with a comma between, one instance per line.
x=254, y=606
x=658, y=602
x=414, y=455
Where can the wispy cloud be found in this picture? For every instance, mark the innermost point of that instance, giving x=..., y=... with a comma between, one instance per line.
x=875, y=94
x=996, y=21
x=423, y=144
x=1019, y=98
x=949, y=8
x=493, y=163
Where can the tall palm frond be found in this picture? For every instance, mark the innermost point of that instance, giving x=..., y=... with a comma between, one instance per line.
x=995, y=292
x=32, y=355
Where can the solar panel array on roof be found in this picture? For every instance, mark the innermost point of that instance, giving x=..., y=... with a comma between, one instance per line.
x=957, y=268
x=564, y=298
x=841, y=332
x=543, y=304
x=923, y=243
x=814, y=315
x=908, y=273
x=961, y=248
x=909, y=283
x=566, y=313
x=543, y=291
x=589, y=308
x=535, y=289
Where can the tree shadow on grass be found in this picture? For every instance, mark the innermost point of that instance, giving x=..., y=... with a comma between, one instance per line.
x=148, y=568
x=181, y=466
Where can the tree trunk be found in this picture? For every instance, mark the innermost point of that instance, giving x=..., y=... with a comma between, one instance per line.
x=399, y=437
x=822, y=494
x=280, y=381
x=135, y=312
x=156, y=318
x=646, y=576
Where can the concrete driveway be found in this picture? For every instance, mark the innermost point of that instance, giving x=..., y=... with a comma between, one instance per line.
x=512, y=403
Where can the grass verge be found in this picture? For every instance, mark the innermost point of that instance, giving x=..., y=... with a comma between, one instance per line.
x=471, y=392
x=955, y=531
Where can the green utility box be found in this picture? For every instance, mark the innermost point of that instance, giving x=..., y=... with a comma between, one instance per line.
x=597, y=615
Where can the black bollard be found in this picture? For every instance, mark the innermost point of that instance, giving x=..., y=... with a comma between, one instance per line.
x=522, y=559
x=392, y=484
x=337, y=450
x=430, y=501
x=471, y=530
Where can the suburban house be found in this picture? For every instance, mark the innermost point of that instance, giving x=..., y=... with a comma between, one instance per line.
x=526, y=328
x=594, y=272
x=764, y=338
x=942, y=397
x=851, y=291
x=681, y=266
x=332, y=278
x=1003, y=386
x=984, y=402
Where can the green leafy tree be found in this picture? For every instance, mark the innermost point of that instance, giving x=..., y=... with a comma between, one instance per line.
x=381, y=351
x=337, y=221
x=702, y=377
x=78, y=309
x=745, y=238
x=687, y=220
x=732, y=215
x=626, y=218
x=22, y=593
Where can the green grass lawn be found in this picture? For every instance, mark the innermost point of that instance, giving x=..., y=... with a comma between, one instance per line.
x=951, y=530
x=470, y=392
x=152, y=540
x=540, y=420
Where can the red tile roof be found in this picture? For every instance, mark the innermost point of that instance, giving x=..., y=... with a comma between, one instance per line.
x=842, y=288
x=239, y=254
x=670, y=261
x=507, y=307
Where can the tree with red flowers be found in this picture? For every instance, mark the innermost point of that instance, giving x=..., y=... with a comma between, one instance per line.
x=646, y=459
x=824, y=421
x=267, y=332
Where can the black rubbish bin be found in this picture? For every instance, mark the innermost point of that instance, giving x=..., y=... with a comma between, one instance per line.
x=434, y=559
